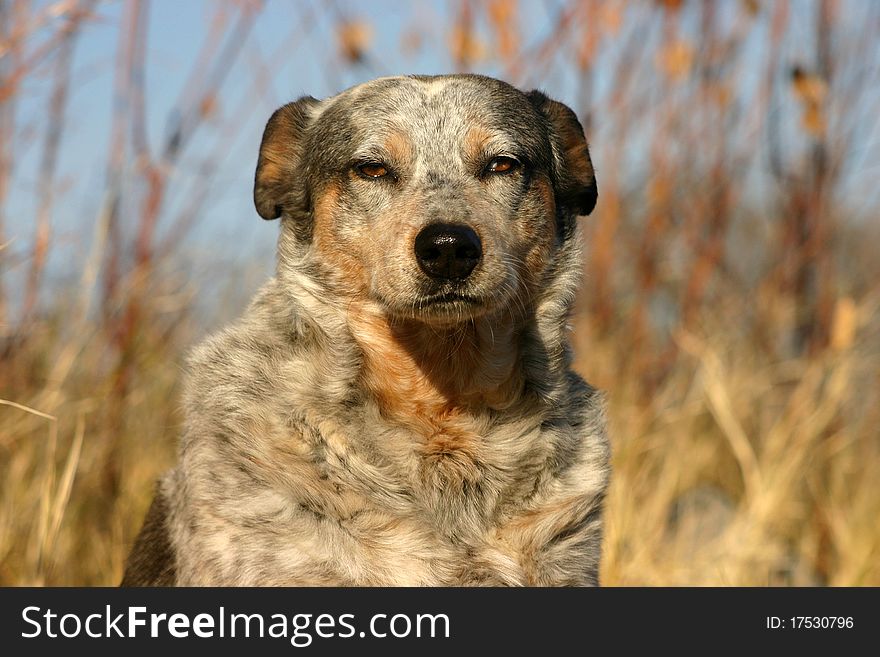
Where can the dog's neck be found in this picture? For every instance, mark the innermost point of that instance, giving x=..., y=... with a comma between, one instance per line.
x=420, y=372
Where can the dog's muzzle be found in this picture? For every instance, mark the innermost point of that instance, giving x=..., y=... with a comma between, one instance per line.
x=448, y=252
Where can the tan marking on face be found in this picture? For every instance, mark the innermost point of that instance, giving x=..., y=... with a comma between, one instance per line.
x=337, y=254
x=540, y=235
x=398, y=146
x=475, y=139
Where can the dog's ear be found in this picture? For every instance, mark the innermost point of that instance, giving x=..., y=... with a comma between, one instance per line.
x=575, y=180
x=279, y=181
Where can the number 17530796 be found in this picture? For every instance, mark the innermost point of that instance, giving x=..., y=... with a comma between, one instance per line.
x=810, y=623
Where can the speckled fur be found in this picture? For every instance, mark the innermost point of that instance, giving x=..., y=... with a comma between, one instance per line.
x=344, y=432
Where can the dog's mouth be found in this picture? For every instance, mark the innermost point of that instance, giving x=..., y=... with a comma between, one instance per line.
x=442, y=306
x=448, y=307
x=449, y=298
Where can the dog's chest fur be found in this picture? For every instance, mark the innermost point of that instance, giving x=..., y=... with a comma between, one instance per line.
x=280, y=484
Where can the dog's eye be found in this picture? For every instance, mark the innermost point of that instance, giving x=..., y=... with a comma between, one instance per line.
x=373, y=170
x=502, y=164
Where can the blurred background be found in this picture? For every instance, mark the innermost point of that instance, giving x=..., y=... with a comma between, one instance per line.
x=731, y=300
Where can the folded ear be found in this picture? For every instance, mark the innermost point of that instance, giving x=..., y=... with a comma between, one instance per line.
x=575, y=181
x=280, y=179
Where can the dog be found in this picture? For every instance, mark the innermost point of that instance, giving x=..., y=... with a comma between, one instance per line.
x=397, y=405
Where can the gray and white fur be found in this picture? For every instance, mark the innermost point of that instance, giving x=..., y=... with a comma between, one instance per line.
x=376, y=419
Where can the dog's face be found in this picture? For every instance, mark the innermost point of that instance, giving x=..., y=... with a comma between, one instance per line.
x=440, y=199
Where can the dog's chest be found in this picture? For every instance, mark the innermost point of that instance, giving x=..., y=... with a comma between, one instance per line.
x=456, y=505
x=323, y=500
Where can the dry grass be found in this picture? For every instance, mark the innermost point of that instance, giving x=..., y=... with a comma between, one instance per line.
x=744, y=471
x=76, y=480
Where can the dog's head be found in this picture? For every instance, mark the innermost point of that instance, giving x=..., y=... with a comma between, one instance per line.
x=438, y=198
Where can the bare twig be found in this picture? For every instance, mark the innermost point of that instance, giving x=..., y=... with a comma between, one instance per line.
x=55, y=130
x=12, y=15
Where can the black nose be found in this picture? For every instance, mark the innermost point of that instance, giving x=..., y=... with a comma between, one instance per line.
x=448, y=251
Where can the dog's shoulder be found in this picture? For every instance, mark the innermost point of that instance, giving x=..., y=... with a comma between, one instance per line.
x=272, y=351
x=238, y=366
x=585, y=450
x=247, y=341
